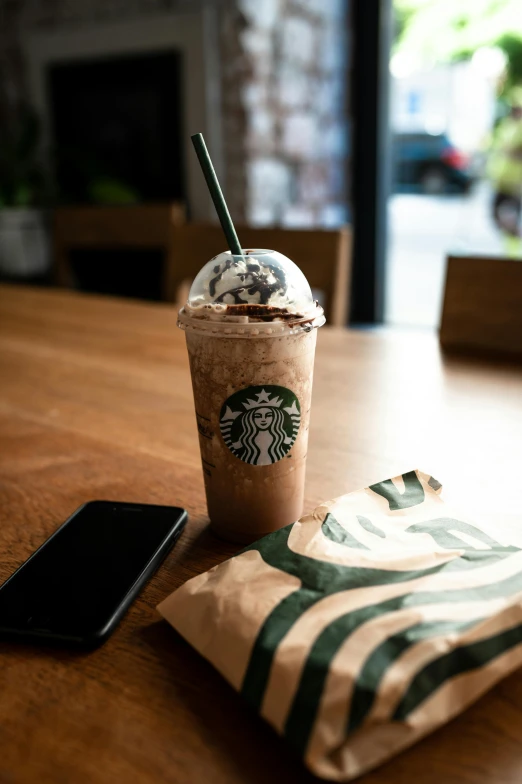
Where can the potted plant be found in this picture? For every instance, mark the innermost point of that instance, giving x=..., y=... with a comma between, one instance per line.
x=24, y=241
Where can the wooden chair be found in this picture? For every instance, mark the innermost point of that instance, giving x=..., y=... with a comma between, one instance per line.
x=482, y=309
x=323, y=255
x=137, y=226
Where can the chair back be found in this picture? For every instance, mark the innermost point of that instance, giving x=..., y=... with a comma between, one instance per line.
x=129, y=226
x=482, y=309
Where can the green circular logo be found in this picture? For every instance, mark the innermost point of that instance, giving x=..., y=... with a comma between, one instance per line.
x=260, y=424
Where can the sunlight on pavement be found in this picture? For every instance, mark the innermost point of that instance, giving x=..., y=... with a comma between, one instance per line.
x=422, y=231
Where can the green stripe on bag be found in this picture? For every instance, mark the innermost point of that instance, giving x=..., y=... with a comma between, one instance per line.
x=462, y=660
x=304, y=707
x=385, y=655
x=320, y=579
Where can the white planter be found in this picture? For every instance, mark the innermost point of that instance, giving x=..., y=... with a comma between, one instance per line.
x=24, y=242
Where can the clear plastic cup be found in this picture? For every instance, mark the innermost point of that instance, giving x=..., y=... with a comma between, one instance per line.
x=250, y=324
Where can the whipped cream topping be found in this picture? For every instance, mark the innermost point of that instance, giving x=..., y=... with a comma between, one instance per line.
x=246, y=285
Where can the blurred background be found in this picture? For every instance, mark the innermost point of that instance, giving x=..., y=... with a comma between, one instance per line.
x=401, y=120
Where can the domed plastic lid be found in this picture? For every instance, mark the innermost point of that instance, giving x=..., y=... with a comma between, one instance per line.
x=258, y=277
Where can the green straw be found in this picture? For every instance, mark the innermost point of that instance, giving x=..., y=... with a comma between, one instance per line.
x=216, y=193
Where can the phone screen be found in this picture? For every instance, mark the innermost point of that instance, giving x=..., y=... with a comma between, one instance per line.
x=74, y=584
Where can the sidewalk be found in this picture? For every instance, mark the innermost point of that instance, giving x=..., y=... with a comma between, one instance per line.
x=422, y=230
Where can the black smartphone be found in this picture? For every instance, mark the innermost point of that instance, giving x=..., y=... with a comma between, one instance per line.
x=77, y=586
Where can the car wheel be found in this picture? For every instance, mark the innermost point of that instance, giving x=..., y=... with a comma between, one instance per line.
x=433, y=181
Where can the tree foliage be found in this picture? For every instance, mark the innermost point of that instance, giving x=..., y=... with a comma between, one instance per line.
x=449, y=30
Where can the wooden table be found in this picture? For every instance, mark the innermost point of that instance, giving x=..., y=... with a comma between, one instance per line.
x=95, y=402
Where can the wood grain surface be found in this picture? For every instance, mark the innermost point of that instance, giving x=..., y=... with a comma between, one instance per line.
x=95, y=402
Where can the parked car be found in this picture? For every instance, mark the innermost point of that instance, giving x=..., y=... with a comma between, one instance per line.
x=430, y=163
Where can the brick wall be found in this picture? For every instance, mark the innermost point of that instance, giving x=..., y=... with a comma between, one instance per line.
x=294, y=97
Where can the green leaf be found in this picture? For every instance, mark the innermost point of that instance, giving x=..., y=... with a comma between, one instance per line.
x=447, y=29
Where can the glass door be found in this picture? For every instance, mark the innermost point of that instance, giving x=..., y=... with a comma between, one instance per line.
x=455, y=85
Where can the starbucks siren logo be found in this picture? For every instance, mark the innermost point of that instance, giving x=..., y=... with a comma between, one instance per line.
x=260, y=424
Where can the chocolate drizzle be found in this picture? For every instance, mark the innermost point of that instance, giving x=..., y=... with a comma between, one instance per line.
x=263, y=312
x=220, y=272
x=261, y=284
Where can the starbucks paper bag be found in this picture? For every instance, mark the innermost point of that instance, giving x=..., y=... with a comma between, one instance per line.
x=365, y=625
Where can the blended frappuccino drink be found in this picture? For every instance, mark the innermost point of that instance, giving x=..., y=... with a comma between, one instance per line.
x=250, y=323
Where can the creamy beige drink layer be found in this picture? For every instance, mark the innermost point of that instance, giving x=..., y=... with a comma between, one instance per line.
x=250, y=324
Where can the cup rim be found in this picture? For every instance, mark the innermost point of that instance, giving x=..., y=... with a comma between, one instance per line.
x=243, y=328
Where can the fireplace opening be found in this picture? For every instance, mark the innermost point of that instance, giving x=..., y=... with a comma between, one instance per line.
x=121, y=272
x=117, y=129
